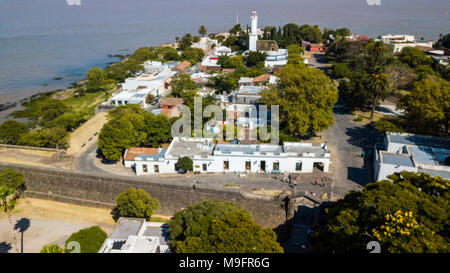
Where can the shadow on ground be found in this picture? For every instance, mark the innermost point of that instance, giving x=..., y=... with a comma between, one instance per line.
x=5, y=247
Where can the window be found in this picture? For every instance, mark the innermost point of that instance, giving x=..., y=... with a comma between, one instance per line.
x=276, y=166
x=144, y=167
x=298, y=166
x=156, y=168
x=247, y=165
x=205, y=168
x=226, y=165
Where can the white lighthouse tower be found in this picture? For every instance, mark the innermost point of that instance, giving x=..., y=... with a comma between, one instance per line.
x=253, y=37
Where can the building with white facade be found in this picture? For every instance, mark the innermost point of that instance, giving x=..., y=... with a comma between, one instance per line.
x=276, y=58
x=398, y=38
x=400, y=41
x=136, y=89
x=136, y=235
x=413, y=153
x=209, y=157
x=247, y=95
x=222, y=51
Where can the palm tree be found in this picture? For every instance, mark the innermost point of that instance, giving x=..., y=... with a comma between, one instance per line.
x=378, y=84
x=202, y=30
x=7, y=204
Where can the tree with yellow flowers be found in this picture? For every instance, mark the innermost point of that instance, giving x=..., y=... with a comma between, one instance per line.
x=409, y=213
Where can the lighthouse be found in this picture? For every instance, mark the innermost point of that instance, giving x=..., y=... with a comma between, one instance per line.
x=253, y=36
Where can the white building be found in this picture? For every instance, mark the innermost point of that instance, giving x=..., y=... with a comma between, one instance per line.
x=276, y=58
x=154, y=67
x=205, y=44
x=222, y=51
x=209, y=157
x=135, y=235
x=253, y=36
x=413, y=153
x=400, y=41
x=247, y=95
x=398, y=38
x=136, y=89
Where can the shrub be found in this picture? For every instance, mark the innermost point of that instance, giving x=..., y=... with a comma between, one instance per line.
x=185, y=163
x=384, y=126
x=217, y=227
x=51, y=249
x=11, y=130
x=90, y=239
x=135, y=203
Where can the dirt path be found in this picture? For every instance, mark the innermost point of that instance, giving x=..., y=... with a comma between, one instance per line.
x=32, y=158
x=84, y=135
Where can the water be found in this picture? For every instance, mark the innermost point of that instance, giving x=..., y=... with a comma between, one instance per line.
x=41, y=40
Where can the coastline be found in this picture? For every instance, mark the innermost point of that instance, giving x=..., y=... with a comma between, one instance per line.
x=28, y=94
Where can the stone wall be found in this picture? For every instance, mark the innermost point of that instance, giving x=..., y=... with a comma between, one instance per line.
x=101, y=191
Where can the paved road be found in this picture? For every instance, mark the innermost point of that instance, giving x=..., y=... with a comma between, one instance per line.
x=346, y=140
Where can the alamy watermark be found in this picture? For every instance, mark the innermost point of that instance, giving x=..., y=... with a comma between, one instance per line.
x=373, y=2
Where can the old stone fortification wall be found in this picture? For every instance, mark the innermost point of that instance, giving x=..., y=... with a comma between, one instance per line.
x=101, y=191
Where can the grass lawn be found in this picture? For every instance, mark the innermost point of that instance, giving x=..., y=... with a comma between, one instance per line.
x=366, y=116
x=87, y=102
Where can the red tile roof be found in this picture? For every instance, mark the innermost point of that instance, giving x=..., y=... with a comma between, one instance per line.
x=262, y=78
x=228, y=70
x=171, y=101
x=133, y=152
x=182, y=66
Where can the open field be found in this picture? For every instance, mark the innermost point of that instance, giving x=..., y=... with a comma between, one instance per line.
x=32, y=158
x=52, y=222
x=65, y=212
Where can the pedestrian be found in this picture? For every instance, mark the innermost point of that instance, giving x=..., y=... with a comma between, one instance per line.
x=363, y=154
x=316, y=181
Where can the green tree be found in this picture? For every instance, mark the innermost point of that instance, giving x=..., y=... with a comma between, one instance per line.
x=181, y=83
x=414, y=57
x=217, y=227
x=192, y=55
x=47, y=137
x=311, y=33
x=443, y=42
x=202, y=30
x=427, y=106
x=378, y=84
x=52, y=249
x=90, y=239
x=408, y=213
x=143, y=54
x=290, y=34
x=236, y=29
x=384, y=126
x=97, y=80
x=158, y=129
x=295, y=52
x=11, y=187
x=255, y=58
x=185, y=42
x=340, y=70
x=11, y=130
x=306, y=97
x=185, y=163
x=136, y=203
x=122, y=132
x=168, y=53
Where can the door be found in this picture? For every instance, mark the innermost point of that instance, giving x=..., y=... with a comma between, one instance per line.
x=263, y=166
